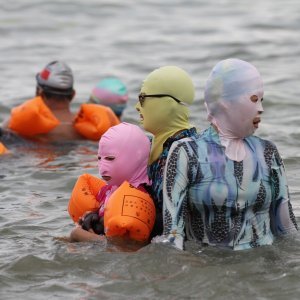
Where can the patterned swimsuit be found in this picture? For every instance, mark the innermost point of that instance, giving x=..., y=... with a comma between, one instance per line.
x=156, y=171
x=217, y=201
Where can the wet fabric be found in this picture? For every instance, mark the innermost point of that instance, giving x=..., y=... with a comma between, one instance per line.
x=228, y=90
x=218, y=201
x=164, y=117
x=156, y=171
x=103, y=196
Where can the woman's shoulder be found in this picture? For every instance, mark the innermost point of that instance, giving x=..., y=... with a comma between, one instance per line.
x=198, y=138
x=264, y=143
x=188, y=145
x=187, y=133
x=182, y=135
x=267, y=147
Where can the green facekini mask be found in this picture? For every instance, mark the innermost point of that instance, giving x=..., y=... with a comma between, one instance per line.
x=165, y=95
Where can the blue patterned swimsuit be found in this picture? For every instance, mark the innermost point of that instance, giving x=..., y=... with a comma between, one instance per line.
x=217, y=201
x=156, y=171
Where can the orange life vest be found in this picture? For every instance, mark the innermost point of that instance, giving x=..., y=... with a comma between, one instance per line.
x=94, y=119
x=83, y=197
x=33, y=117
x=3, y=149
x=129, y=212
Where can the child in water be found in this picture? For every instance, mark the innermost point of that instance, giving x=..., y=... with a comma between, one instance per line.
x=122, y=156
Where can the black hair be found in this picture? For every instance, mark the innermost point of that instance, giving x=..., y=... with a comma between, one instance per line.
x=58, y=94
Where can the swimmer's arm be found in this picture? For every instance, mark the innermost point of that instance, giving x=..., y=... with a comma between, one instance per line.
x=80, y=235
x=175, y=195
x=281, y=212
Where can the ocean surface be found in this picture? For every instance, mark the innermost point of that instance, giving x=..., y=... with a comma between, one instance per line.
x=129, y=39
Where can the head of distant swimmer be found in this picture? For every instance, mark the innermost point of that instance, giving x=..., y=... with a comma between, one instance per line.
x=111, y=92
x=55, y=81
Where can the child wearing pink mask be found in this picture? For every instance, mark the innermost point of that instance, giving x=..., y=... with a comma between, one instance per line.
x=122, y=156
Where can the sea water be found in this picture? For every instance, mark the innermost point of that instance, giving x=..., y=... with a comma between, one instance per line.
x=129, y=39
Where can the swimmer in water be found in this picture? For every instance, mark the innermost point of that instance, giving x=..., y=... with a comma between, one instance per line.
x=111, y=92
x=49, y=117
x=163, y=105
x=122, y=156
x=55, y=87
x=227, y=187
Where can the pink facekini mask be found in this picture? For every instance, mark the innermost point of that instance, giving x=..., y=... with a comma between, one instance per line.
x=228, y=90
x=124, y=152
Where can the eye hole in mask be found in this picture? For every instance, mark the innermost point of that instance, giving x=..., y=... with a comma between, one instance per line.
x=254, y=98
x=109, y=158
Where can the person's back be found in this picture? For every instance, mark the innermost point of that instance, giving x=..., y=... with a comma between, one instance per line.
x=65, y=129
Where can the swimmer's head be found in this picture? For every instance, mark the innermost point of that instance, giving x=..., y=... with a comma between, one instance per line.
x=56, y=78
x=233, y=97
x=111, y=92
x=164, y=98
x=172, y=81
x=123, y=155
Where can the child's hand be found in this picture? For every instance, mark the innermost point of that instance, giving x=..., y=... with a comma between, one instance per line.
x=81, y=219
x=92, y=222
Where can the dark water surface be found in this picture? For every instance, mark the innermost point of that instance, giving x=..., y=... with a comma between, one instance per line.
x=129, y=39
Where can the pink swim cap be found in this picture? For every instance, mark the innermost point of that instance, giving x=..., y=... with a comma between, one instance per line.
x=110, y=92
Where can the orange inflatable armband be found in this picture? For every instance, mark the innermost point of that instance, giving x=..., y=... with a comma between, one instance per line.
x=3, y=149
x=32, y=117
x=83, y=197
x=129, y=212
x=94, y=119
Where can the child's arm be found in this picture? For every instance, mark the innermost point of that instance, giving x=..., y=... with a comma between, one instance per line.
x=80, y=235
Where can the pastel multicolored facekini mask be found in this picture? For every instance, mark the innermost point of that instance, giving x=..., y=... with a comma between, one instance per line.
x=163, y=104
x=111, y=92
x=123, y=154
x=233, y=95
